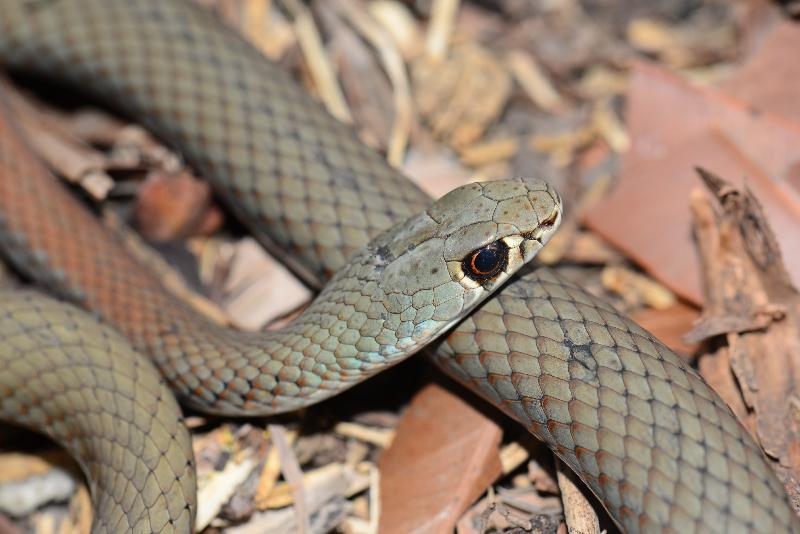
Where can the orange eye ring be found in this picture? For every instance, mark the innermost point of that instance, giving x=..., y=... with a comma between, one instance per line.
x=485, y=262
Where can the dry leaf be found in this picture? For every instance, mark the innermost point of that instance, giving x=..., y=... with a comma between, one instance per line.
x=670, y=325
x=170, y=207
x=444, y=455
x=647, y=215
x=769, y=80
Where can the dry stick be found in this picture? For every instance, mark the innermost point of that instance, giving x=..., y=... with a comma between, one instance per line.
x=293, y=475
x=218, y=488
x=750, y=300
x=72, y=159
x=381, y=437
x=318, y=63
x=374, y=499
x=268, y=478
x=395, y=69
x=512, y=456
x=609, y=127
x=255, y=12
x=578, y=512
x=267, y=28
x=534, y=81
x=443, y=14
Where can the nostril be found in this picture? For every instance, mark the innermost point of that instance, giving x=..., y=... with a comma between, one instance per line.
x=550, y=221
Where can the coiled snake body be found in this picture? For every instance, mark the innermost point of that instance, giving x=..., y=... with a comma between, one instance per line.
x=659, y=448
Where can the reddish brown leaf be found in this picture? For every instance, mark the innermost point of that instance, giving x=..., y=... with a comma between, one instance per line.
x=444, y=456
x=170, y=207
x=674, y=127
x=670, y=325
x=770, y=77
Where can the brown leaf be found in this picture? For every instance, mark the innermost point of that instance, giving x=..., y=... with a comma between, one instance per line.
x=444, y=455
x=670, y=325
x=770, y=77
x=7, y=527
x=647, y=215
x=173, y=206
x=255, y=289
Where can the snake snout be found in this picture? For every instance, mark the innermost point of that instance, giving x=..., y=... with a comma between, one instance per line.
x=547, y=205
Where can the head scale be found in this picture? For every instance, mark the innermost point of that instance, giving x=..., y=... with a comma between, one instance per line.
x=469, y=242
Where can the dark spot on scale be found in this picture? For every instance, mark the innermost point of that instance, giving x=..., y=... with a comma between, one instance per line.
x=384, y=254
x=434, y=270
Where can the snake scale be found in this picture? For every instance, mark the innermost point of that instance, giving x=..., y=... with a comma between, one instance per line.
x=657, y=446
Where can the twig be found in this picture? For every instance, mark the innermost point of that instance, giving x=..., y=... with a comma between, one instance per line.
x=318, y=63
x=293, y=475
x=578, y=513
x=512, y=456
x=382, y=437
x=395, y=70
x=534, y=81
x=443, y=14
x=374, y=499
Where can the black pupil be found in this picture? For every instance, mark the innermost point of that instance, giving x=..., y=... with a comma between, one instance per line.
x=486, y=260
x=484, y=263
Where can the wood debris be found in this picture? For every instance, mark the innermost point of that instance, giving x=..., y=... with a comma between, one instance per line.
x=636, y=288
x=535, y=81
x=462, y=94
x=382, y=437
x=28, y=482
x=443, y=14
x=320, y=68
x=578, y=512
x=395, y=70
x=252, y=288
x=396, y=19
x=753, y=305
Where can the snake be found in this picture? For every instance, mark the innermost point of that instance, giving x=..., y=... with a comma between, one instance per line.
x=102, y=367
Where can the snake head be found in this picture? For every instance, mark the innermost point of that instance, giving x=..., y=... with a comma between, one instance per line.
x=492, y=229
x=443, y=262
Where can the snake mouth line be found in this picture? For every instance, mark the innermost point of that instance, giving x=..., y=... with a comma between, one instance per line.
x=545, y=228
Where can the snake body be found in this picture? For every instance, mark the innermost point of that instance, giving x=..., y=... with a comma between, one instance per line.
x=650, y=438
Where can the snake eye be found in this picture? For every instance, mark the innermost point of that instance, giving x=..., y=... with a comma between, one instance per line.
x=486, y=262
